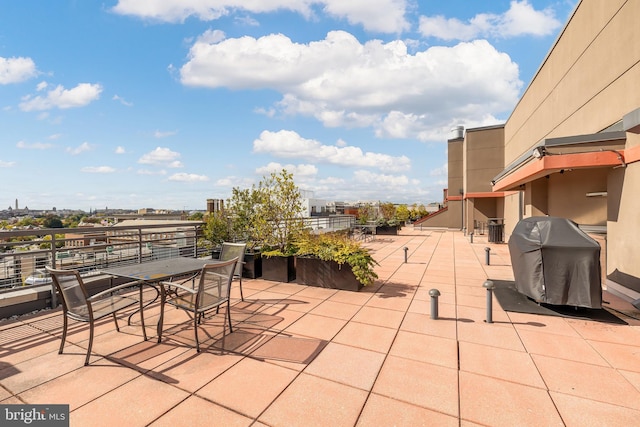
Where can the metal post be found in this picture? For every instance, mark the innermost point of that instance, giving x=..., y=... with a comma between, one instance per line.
x=489, y=285
x=471, y=237
x=434, y=293
x=405, y=254
x=487, y=255
x=54, y=296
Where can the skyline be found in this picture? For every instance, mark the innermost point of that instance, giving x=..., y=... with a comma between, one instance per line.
x=165, y=104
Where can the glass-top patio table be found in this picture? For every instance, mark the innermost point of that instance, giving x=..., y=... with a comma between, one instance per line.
x=153, y=272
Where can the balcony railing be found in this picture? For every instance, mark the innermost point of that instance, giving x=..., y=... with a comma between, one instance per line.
x=25, y=253
x=322, y=224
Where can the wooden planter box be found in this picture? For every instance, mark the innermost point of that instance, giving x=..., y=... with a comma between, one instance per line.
x=326, y=274
x=387, y=230
x=279, y=268
x=252, y=268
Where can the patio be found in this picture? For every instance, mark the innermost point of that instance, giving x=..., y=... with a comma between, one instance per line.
x=311, y=356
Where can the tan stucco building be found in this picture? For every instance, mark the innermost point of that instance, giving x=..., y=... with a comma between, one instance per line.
x=571, y=146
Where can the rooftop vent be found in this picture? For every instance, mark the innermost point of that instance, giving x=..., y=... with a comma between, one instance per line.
x=457, y=132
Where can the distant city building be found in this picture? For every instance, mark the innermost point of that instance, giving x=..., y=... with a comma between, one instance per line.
x=215, y=205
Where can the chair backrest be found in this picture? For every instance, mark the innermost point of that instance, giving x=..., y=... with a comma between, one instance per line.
x=215, y=279
x=234, y=250
x=71, y=288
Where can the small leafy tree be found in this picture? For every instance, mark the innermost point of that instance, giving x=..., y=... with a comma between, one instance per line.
x=92, y=219
x=216, y=228
x=46, y=241
x=388, y=213
x=402, y=213
x=278, y=215
x=196, y=216
x=52, y=221
x=25, y=222
x=365, y=213
x=418, y=211
x=242, y=213
x=72, y=220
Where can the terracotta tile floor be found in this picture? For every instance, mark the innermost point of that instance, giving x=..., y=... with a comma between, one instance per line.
x=310, y=356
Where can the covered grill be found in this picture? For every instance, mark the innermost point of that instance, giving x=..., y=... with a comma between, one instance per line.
x=555, y=262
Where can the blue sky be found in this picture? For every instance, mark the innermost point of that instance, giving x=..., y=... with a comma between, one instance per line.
x=166, y=103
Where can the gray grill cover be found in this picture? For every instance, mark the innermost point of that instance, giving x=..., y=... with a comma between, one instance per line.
x=555, y=262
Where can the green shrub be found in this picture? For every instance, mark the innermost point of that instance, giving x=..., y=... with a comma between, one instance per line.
x=339, y=248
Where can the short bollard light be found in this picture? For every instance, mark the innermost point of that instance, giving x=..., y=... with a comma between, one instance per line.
x=434, y=293
x=471, y=237
x=406, y=249
x=487, y=257
x=489, y=286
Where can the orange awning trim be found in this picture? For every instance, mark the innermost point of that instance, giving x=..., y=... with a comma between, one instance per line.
x=488, y=194
x=555, y=163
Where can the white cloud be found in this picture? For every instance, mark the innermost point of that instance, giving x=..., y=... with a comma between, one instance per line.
x=369, y=186
x=148, y=172
x=399, y=125
x=386, y=16
x=342, y=82
x=225, y=182
x=4, y=164
x=380, y=180
x=98, y=169
x=161, y=157
x=302, y=172
x=120, y=150
x=375, y=15
x=288, y=144
x=332, y=180
x=235, y=181
x=34, y=146
x=81, y=95
x=165, y=134
x=441, y=171
x=247, y=20
x=41, y=86
x=521, y=19
x=16, y=70
x=188, y=177
x=122, y=101
x=85, y=146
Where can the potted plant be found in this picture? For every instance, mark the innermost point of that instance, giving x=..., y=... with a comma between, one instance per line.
x=387, y=223
x=278, y=222
x=242, y=211
x=216, y=231
x=332, y=260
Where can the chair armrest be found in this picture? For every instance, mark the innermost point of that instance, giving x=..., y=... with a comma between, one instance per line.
x=178, y=286
x=112, y=290
x=185, y=280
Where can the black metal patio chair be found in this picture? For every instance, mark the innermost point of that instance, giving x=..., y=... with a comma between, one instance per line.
x=78, y=305
x=211, y=291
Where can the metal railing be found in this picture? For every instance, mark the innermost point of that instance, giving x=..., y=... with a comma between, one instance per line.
x=25, y=253
x=324, y=224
